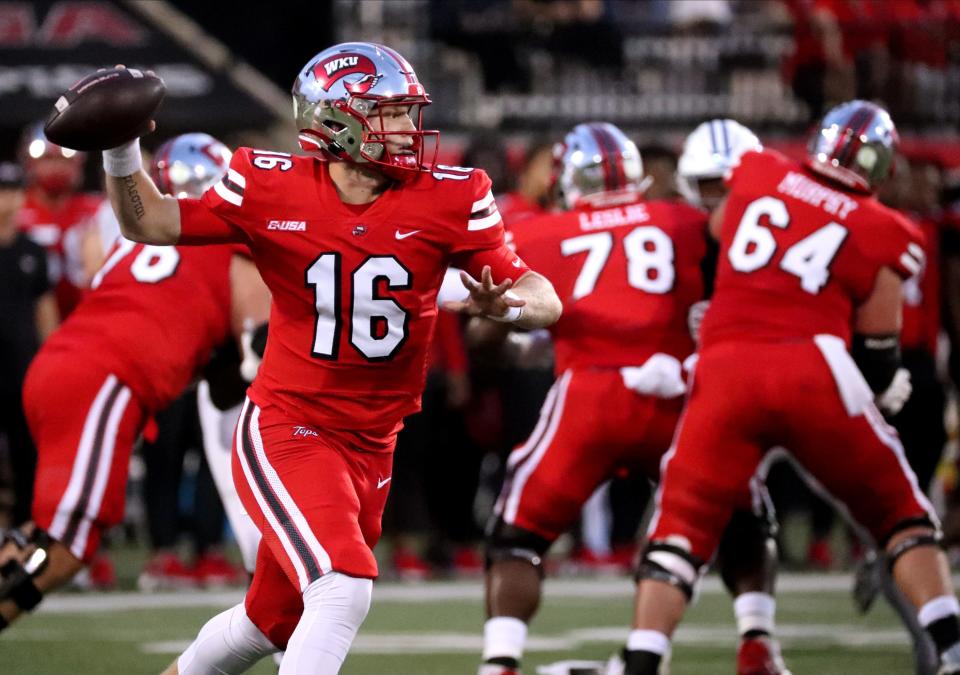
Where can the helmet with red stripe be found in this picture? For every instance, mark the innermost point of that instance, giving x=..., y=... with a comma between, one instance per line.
x=341, y=99
x=185, y=166
x=597, y=164
x=854, y=145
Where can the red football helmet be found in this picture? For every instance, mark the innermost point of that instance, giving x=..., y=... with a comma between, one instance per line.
x=54, y=169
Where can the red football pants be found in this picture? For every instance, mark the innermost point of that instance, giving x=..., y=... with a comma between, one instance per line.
x=84, y=422
x=747, y=398
x=318, y=501
x=591, y=426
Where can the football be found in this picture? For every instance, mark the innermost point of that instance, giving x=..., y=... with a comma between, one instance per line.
x=105, y=109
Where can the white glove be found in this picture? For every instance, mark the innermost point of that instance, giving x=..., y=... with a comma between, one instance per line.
x=695, y=318
x=892, y=400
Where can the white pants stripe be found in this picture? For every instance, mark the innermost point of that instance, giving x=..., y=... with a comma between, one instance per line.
x=294, y=532
x=523, y=472
x=83, y=497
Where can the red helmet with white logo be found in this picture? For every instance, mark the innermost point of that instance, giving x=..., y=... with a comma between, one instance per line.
x=341, y=89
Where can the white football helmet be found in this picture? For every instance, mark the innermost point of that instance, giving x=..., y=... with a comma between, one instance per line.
x=712, y=149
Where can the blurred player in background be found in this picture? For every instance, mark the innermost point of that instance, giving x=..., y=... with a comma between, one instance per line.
x=808, y=292
x=29, y=312
x=55, y=214
x=353, y=242
x=148, y=326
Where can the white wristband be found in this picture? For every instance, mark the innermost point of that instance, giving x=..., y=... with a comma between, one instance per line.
x=124, y=160
x=512, y=314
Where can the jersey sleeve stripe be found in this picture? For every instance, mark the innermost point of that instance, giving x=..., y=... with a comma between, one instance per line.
x=482, y=203
x=484, y=223
x=226, y=194
x=237, y=179
x=909, y=263
x=916, y=251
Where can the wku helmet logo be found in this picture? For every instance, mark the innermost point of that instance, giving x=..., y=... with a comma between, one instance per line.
x=336, y=68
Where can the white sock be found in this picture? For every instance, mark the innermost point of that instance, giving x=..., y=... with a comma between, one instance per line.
x=938, y=608
x=334, y=606
x=504, y=636
x=652, y=641
x=227, y=643
x=754, y=611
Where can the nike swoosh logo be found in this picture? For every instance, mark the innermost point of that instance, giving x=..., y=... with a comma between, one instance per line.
x=383, y=481
x=404, y=235
x=516, y=263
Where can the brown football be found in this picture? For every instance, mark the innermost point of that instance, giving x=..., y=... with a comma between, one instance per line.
x=105, y=109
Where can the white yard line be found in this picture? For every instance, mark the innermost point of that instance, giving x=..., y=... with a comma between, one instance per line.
x=392, y=592
x=820, y=635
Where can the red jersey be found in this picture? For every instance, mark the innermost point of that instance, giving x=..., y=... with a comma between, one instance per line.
x=354, y=289
x=61, y=232
x=153, y=318
x=921, y=296
x=798, y=253
x=627, y=276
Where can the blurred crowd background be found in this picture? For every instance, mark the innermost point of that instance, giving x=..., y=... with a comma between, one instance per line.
x=507, y=78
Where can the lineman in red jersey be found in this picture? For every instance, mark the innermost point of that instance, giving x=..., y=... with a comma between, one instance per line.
x=353, y=243
x=609, y=251
x=150, y=323
x=54, y=214
x=806, y=254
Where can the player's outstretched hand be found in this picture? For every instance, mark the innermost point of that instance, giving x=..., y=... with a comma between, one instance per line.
x=486, y=298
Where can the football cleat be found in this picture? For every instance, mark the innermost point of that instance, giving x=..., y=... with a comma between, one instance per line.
x=165, y=571
x=760, y=656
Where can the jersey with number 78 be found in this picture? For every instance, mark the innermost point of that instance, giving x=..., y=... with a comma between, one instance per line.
x=627, y=276
x=798, y=253
x=354, y=287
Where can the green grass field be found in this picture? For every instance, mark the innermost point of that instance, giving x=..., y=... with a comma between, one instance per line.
x=434, y=628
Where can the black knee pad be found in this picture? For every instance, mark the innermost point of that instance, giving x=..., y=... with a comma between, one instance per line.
x=747, y=547
x=16, y=578
x=508, y=542
x=933, y=537
x=672, y=565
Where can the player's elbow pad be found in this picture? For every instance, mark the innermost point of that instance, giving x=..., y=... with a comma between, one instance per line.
x=878, y=357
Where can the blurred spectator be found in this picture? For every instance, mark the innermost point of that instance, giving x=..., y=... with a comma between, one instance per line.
x=920, y=422
x=54, y=214
x=29, y=313
x=436, y=468
x=165, y=491
x=660, y=167
x=820, y=70
x=531, y=194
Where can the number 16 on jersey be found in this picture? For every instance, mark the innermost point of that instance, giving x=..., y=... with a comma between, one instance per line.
x=378, y=326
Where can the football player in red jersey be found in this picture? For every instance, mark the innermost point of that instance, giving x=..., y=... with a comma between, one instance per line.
x=353, y=241
x=629, y=270
x=149, y=324
x=808, y=293
x=54, y=214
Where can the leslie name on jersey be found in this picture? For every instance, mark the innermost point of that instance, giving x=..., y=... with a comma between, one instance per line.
x=619, y=215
